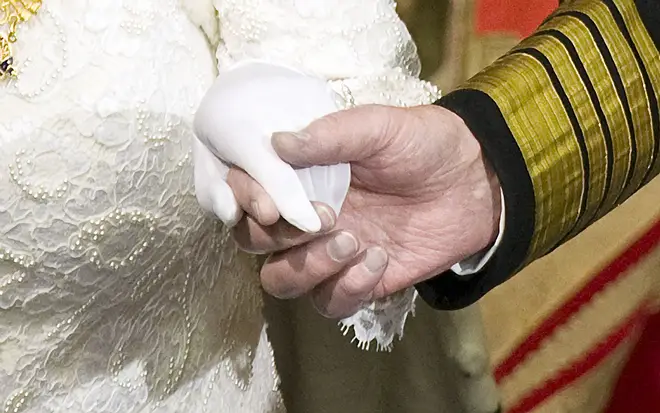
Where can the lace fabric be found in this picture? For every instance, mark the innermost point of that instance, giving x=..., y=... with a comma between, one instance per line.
x=331, y=39
x=117, y=294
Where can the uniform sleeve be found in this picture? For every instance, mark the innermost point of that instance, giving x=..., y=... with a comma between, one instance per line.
x=569, y=120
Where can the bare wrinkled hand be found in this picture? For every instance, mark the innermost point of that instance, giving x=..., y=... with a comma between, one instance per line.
x=421, y=199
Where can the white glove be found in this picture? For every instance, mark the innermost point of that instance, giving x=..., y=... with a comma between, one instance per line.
x=234, y=125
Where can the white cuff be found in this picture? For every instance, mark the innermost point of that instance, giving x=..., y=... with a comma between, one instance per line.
x=476, y=263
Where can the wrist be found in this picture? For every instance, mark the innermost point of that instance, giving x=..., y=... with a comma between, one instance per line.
x=481, y=192
x=491, y=227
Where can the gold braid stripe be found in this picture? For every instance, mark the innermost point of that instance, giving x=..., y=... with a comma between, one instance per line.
x=589, y=131
x=635, y=91
x=12, y=14
x=540, y=89
x=612, y=107
x=650, y=57
x=540, y=110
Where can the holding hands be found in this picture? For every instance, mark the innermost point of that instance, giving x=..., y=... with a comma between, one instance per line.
x=421, y=198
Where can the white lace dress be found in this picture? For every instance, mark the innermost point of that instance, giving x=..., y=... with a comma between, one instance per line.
x=116, y=293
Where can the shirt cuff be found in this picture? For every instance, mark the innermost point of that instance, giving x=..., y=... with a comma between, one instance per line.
x=478, y=261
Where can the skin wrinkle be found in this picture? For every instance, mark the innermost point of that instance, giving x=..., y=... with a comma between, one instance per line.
x=420, y=243
x=417, y=243
x=427, y=215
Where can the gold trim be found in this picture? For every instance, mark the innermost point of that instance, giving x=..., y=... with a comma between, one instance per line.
x=12, y=14
x=648, y=51
x=523, y=90
x=506, y=81
x=611, y=105
x=585, y=112
x=634, y=88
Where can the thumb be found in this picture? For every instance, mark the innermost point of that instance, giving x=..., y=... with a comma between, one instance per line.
x=347, y=136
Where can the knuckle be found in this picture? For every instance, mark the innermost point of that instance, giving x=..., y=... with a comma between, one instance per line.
x=316, y=272
x=268, y=214
x=352, y=287
x=386, y=287
x=327, y=123
x=318, y=265
x=309, y=271
x=275, y=283
x=292, y=274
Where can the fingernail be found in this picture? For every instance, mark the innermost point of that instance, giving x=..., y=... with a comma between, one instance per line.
x=375, y=259
x=327, y=217
x=254, y=205
x=342, y=247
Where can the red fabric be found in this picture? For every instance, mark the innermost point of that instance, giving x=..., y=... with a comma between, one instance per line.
x=581, y=366
x=616, y=269
x=638, y=389
x=519, y=17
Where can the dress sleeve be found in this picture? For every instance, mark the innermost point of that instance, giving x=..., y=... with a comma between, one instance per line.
x=332, y=40
x=569, y=120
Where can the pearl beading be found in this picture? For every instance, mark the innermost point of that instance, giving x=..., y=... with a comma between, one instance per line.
x=17, y=172
x=58, y=70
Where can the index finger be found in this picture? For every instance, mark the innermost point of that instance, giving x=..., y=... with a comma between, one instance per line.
x=258, y=239
x=351, y=135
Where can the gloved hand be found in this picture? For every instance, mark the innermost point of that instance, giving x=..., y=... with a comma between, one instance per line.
x=234, y=125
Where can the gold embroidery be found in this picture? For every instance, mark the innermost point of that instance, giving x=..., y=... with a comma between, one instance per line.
x=522, y=75
x=12, y=14
x=649, y=54
x=631, y=74
x=538, y=118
